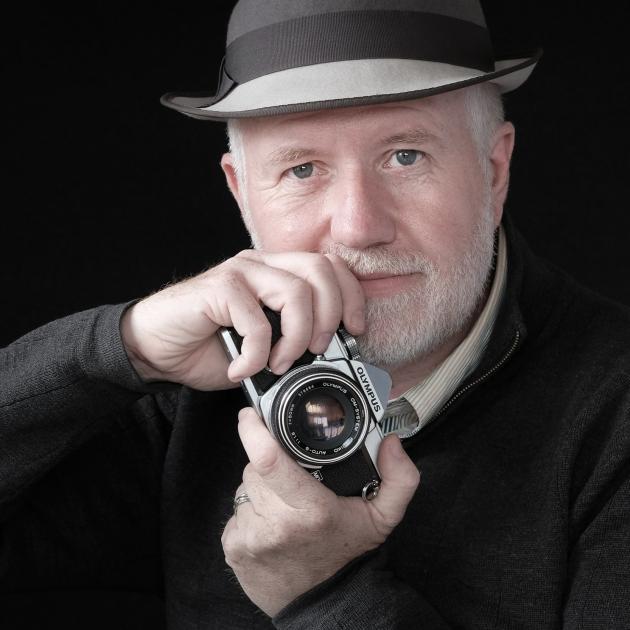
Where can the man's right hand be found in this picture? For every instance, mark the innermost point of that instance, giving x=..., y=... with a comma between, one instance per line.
x=170, y=335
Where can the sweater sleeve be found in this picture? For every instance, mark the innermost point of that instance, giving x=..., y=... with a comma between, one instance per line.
x=364, y=594
x=599, y=594
x=59, y=385
x=598, y=587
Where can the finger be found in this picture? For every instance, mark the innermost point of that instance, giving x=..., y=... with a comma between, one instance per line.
x=327, y=300
x=229, y=540
x=264, y=501
x=353, y=298
x=291, y=296
x=296, y=325
x=249, y=282
x=246, y=505
x=400, y=479
x=249, y=321
x=277, y=470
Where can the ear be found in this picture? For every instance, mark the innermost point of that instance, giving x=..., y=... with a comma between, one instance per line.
x=500, y=156
x=227, y=164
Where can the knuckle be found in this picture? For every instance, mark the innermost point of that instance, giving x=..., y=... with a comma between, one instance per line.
x=276, y=537
x=231, y=550
x=320, y=264
x=410, y=479
x=265, y=462
x=261, y=327
x=288, y=528
x=259, y=540
x=227, y=274
x=300, y=287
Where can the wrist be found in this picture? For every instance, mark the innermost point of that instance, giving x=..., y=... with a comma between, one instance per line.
x=129, y=338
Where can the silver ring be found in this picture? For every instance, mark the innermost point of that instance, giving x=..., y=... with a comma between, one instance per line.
x=239, y=499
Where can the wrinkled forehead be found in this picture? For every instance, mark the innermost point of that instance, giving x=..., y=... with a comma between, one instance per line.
x=442, y=116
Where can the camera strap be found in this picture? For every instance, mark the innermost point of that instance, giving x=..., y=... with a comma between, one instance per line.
x=400, y=418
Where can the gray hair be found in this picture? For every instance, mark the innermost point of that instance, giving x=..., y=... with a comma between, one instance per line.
x=235, y=146
x=483, y=104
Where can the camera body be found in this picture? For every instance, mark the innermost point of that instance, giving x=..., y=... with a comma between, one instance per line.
x=325, y=410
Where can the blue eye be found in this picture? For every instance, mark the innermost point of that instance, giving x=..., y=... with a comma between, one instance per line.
x=303, y=171
x=406, y=157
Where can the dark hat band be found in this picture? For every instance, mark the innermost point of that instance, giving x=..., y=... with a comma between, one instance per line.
x=349, y=35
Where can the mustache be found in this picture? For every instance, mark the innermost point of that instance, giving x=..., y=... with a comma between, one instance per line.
x=381, y=259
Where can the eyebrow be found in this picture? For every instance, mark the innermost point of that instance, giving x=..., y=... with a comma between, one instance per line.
x=284, y=155
x=288, y=154
x=411, y=136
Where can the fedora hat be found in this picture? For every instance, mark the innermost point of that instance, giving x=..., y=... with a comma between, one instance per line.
x=286, y=56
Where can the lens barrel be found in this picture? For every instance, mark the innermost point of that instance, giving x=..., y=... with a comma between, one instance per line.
x=320, y=416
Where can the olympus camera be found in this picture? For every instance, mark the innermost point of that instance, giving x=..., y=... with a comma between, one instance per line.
x=325, y=410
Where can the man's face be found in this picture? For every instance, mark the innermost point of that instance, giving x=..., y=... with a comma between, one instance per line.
x=399, y=192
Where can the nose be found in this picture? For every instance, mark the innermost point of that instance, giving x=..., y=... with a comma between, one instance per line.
x=360, y=216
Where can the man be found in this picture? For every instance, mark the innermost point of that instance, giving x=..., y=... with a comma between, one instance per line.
x=370, y=161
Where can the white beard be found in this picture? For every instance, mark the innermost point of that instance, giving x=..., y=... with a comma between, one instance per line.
x=409, y=326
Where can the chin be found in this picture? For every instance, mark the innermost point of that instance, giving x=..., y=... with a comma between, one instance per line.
x=412, y=327
x=396, y=333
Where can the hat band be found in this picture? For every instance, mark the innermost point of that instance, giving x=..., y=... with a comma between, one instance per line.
x=351, y=35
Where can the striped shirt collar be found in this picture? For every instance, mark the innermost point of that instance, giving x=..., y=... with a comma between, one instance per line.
x=429, y=396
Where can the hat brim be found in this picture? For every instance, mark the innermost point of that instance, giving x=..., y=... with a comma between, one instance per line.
x=346, y=84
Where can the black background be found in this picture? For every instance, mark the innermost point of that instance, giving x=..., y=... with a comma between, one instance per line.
x=109, y=195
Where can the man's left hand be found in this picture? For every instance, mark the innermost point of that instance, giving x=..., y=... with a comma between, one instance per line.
x=294, y=533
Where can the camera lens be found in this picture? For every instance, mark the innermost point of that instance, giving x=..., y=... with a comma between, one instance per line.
x=319, y=417
x=324, y=418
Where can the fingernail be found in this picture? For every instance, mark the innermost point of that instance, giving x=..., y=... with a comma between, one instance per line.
x=397, y=449
x=236, y=373
x=281, y=368
x=358, y=320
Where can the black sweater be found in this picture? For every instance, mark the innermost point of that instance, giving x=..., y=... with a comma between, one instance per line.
x=113, y=493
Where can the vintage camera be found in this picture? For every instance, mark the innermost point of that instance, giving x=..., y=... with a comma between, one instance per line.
x=325, y=410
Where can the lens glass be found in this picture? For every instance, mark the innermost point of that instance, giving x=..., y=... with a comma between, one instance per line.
x=323, y=418
x=319, y=415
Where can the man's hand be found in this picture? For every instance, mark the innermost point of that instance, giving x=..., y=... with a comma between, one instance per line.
x=170, y=336
x=295, y=533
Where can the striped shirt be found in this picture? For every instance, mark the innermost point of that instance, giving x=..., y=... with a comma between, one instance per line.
x=415, y=408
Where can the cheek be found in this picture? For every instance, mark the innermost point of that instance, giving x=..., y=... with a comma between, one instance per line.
x=284, y=230
x=437, y=219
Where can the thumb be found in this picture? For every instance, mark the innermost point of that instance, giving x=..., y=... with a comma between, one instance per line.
x=275, y=468
x=400, y=479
